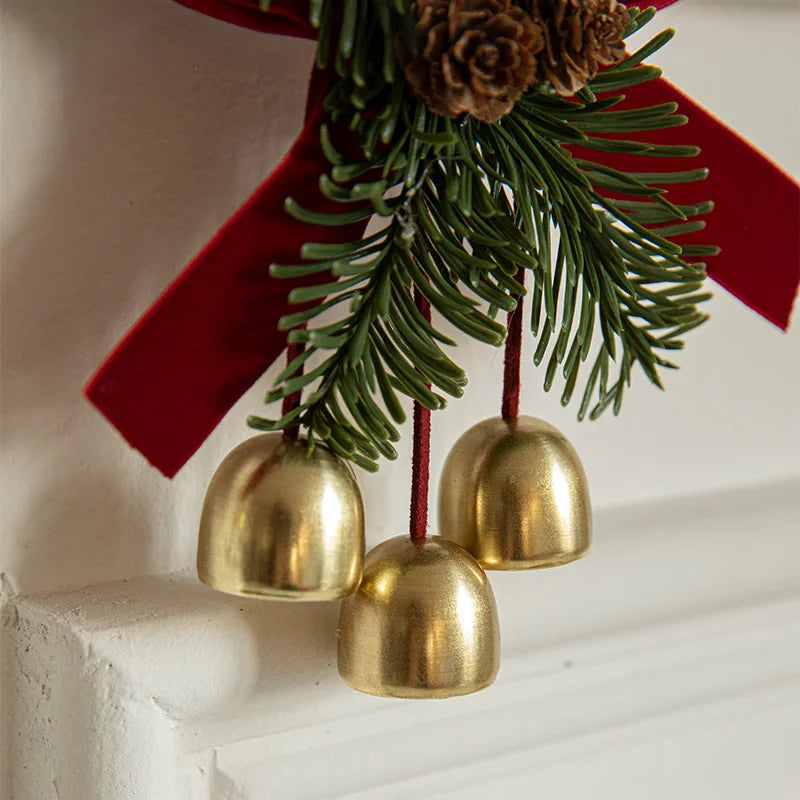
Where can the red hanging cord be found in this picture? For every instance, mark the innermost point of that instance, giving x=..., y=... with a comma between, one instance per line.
x=292, y=401
x=421, y=458
x=513, y=357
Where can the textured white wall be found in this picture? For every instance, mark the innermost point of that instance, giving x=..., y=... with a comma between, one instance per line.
x=132, y=130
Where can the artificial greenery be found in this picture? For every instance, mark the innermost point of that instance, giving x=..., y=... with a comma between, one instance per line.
x=462, y=206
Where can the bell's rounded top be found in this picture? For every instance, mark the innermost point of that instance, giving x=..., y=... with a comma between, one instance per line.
x=514, y=493
x=283, y=522
x=423, y=623
x=403, y=570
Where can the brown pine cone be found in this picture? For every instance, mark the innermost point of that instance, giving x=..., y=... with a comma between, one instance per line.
x=581, y=35
x=474, y=56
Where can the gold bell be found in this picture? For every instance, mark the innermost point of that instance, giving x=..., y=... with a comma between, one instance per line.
x=423, y=623
x=282, y=522
x=514, y=493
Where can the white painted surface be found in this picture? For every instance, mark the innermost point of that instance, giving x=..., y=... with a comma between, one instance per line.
x=647, y=670
x=130, y=131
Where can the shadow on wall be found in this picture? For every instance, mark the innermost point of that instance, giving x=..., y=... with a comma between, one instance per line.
x=125, y=136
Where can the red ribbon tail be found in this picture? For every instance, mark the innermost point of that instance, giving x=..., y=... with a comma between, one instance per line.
x=756, y=205
x=285, y=17
x=214, y=331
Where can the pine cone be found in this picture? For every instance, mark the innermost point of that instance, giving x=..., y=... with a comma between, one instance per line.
x=580, y=36
x=474, y=56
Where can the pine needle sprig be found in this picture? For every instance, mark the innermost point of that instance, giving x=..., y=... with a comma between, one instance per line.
x=459, y=207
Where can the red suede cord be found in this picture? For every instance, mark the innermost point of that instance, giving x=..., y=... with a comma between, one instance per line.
x=513, y=357
x=292, y=401
x=421, y=458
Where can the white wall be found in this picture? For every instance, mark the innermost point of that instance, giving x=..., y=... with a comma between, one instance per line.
x=662, y=666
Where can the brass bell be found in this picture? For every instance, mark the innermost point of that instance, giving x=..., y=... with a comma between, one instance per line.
x=282, y=522
x=514, y=493
x=423, y=623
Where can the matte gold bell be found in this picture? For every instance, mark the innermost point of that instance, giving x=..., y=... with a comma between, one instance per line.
x=423, y=623
x=515, y=495
x=283, y=523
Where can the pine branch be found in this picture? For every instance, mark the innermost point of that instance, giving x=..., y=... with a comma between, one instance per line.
x=461, y=206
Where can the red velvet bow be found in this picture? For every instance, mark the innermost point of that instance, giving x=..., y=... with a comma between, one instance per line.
x=213, y=332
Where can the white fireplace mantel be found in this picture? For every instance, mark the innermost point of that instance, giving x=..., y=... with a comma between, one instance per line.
x=668, y=660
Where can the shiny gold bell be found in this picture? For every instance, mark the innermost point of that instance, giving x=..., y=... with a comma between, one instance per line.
x=514, y=493
x=423, y=623
x=283, y=523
